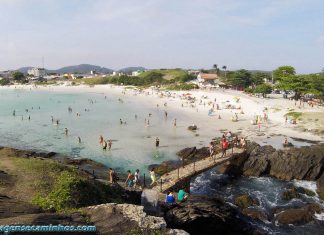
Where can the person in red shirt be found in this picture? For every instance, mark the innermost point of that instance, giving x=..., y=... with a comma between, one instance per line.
x=224, y=147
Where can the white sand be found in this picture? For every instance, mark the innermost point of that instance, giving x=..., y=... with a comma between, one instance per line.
x=276, y=105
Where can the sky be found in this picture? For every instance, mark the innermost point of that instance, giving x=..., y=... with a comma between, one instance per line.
x=249, y=34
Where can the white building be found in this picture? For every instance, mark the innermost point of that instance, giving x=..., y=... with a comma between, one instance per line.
x=37, y=72
x=136, y=73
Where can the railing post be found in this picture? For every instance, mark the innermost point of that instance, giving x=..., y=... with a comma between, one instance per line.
x=178, y=172
x=144, y=181
x=182, y=162
x=194, y=165
x=232, y=147
x=161, y=185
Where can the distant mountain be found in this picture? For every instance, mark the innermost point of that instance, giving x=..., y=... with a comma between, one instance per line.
x=81, y=68
x=130, y=69
x=24, y=69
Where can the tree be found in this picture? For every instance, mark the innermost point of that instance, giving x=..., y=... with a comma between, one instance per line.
x=224, y=67
x=18, y=76
x=215, y=66
x=259, y=77
x=283, y=71
x=240, y=78
x=263, y=89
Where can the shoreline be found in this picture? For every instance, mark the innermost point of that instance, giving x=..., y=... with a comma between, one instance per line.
x=276, y=109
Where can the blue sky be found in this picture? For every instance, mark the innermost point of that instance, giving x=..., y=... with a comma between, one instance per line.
x=251, y=34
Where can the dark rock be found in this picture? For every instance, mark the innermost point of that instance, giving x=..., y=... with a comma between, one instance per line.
x=10, y=207
x=256, y=214
x=320, y=187
x=192, y=128
x=290, y=194
x=187, y=152
x=305, y=163
x=204, y=215
x=299, y=216
x=306, y=191
x=245, y=201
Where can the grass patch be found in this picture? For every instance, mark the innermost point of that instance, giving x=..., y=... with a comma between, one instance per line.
x=180, y=87
x=54, y=186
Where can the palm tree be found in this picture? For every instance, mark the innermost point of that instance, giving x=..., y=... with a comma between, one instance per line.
x=224, y=67
x=215, y=66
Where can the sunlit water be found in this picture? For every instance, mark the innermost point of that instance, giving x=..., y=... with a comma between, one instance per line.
x=133, y=144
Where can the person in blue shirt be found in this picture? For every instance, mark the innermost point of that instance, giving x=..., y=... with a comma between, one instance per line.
x=170, y=198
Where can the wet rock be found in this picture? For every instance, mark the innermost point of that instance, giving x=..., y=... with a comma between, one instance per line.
x=320, y=187
x=255, y=214
x=165, y=167
x=207, y=215
x=245, y=201
x=187, y=152
x=306, y=191
x=290, y=194
x=299, y=216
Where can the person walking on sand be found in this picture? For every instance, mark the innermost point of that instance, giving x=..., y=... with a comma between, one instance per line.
x=157, y=142
x=153, y=176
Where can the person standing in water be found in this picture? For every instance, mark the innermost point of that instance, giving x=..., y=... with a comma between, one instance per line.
x=175, y=122
x=14, y=113
x=101, y=139
x=153, y=177
x=104, y=146
x=109, y=144
x=66, y=131
x=79, y=139
x=157, y=142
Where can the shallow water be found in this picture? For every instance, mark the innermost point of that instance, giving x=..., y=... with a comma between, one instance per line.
x=133, y=144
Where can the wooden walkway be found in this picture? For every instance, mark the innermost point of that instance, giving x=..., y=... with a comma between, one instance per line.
x=171, y=178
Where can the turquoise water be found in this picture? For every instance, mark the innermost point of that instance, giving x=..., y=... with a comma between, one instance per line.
x=133, y=144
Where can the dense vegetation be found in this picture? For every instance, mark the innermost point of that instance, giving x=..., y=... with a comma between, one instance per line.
x=148, y=78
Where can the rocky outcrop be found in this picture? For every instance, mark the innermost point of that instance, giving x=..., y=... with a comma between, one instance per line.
x=245, y=201
x=10, y=207
x=298, y=216
x=114, y=218
x=256, y=214
x=209, y=215
x=305, y=163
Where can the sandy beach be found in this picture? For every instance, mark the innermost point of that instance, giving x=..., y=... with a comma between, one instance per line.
x=244, y=106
